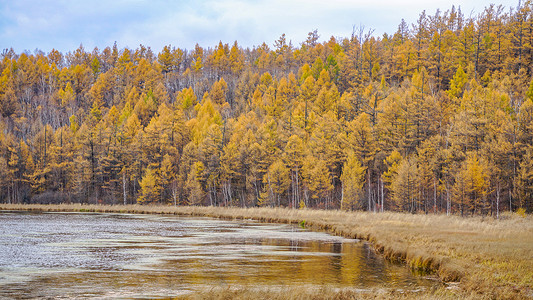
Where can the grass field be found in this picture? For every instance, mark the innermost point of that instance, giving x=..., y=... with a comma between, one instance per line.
x=488, y=258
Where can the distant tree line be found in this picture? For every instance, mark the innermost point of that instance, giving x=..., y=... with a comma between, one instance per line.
x=436, y=117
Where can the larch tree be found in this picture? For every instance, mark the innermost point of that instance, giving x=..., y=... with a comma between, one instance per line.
x=525, y=181
x=275, y=182
x=150, y=187
x=352, y=178
x=404, y=186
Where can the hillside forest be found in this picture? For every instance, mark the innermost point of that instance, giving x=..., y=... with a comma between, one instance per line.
x=435, y=117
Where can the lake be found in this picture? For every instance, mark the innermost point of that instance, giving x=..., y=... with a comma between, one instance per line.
x=156, y=256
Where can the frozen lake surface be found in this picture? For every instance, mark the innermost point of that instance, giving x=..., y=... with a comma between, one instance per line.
x=155, y=256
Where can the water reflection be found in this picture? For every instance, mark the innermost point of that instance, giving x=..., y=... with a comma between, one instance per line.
x=102, y=255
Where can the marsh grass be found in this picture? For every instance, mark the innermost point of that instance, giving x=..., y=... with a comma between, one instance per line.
x=489, y=258
x=301, y=293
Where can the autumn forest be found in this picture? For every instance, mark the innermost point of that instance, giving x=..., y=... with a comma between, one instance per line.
x=436, y=117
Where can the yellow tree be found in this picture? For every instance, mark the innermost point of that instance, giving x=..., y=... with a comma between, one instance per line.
x=218, y=92
x=167, y=174
x=195, y=191
x=40, y=179
x=61, y=157
x=404, y=185
x=327, y=141
x=207, y=115
x=427, y=181
x=317, y=182
x=236, y=59
x=146, y=75
x=472, y=185
x=276, y=181
x=392, y=162
x=327, y=100
x=465, y=44
x=170, y=59
x=66, y=97
x=230, y=170
x=211, y=153
x=294, y=154
x=308, y=94
x=525, y=182
x=8, y=100
x=150, y=187
x=352, y=178
x=152, y=143
x=525, y=120
x=102, y=91
x=186, y=100
x=480, y=184
x=361, y=139
x=274, y=106
x=12, y=171
x=197, y=59
x=458, y=83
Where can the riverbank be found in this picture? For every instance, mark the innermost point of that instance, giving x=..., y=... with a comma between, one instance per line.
x=488, y=258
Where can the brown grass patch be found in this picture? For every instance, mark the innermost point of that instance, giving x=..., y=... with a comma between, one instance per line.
x=304, y=293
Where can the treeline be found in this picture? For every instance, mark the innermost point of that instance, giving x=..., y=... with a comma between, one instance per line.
x=437, y=117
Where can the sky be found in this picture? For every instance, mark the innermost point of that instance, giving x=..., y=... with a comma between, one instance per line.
x=64, y=25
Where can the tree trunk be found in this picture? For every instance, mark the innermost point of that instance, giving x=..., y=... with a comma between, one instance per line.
x=297, y=188
x=342, y=195
x=369, y=193
x=124, y=187
x=434, y=195
x=448, y=206
x=498, y=201
x=382, y=195
x=175, y=194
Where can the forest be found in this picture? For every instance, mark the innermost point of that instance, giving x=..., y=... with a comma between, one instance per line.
x=436, y=117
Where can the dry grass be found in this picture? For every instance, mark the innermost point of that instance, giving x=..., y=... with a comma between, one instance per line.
x=301, y=293
x=490, y=258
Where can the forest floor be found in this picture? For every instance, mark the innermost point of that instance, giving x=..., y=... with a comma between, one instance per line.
x=475, y=257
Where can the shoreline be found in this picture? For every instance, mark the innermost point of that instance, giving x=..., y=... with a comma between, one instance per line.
x=435, y=244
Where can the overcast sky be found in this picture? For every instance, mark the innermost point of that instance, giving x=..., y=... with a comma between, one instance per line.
x=65, y=24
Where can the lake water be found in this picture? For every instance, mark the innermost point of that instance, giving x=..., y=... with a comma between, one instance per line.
x=46, y=255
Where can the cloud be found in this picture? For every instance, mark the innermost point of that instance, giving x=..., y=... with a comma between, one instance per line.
x=64, y=25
